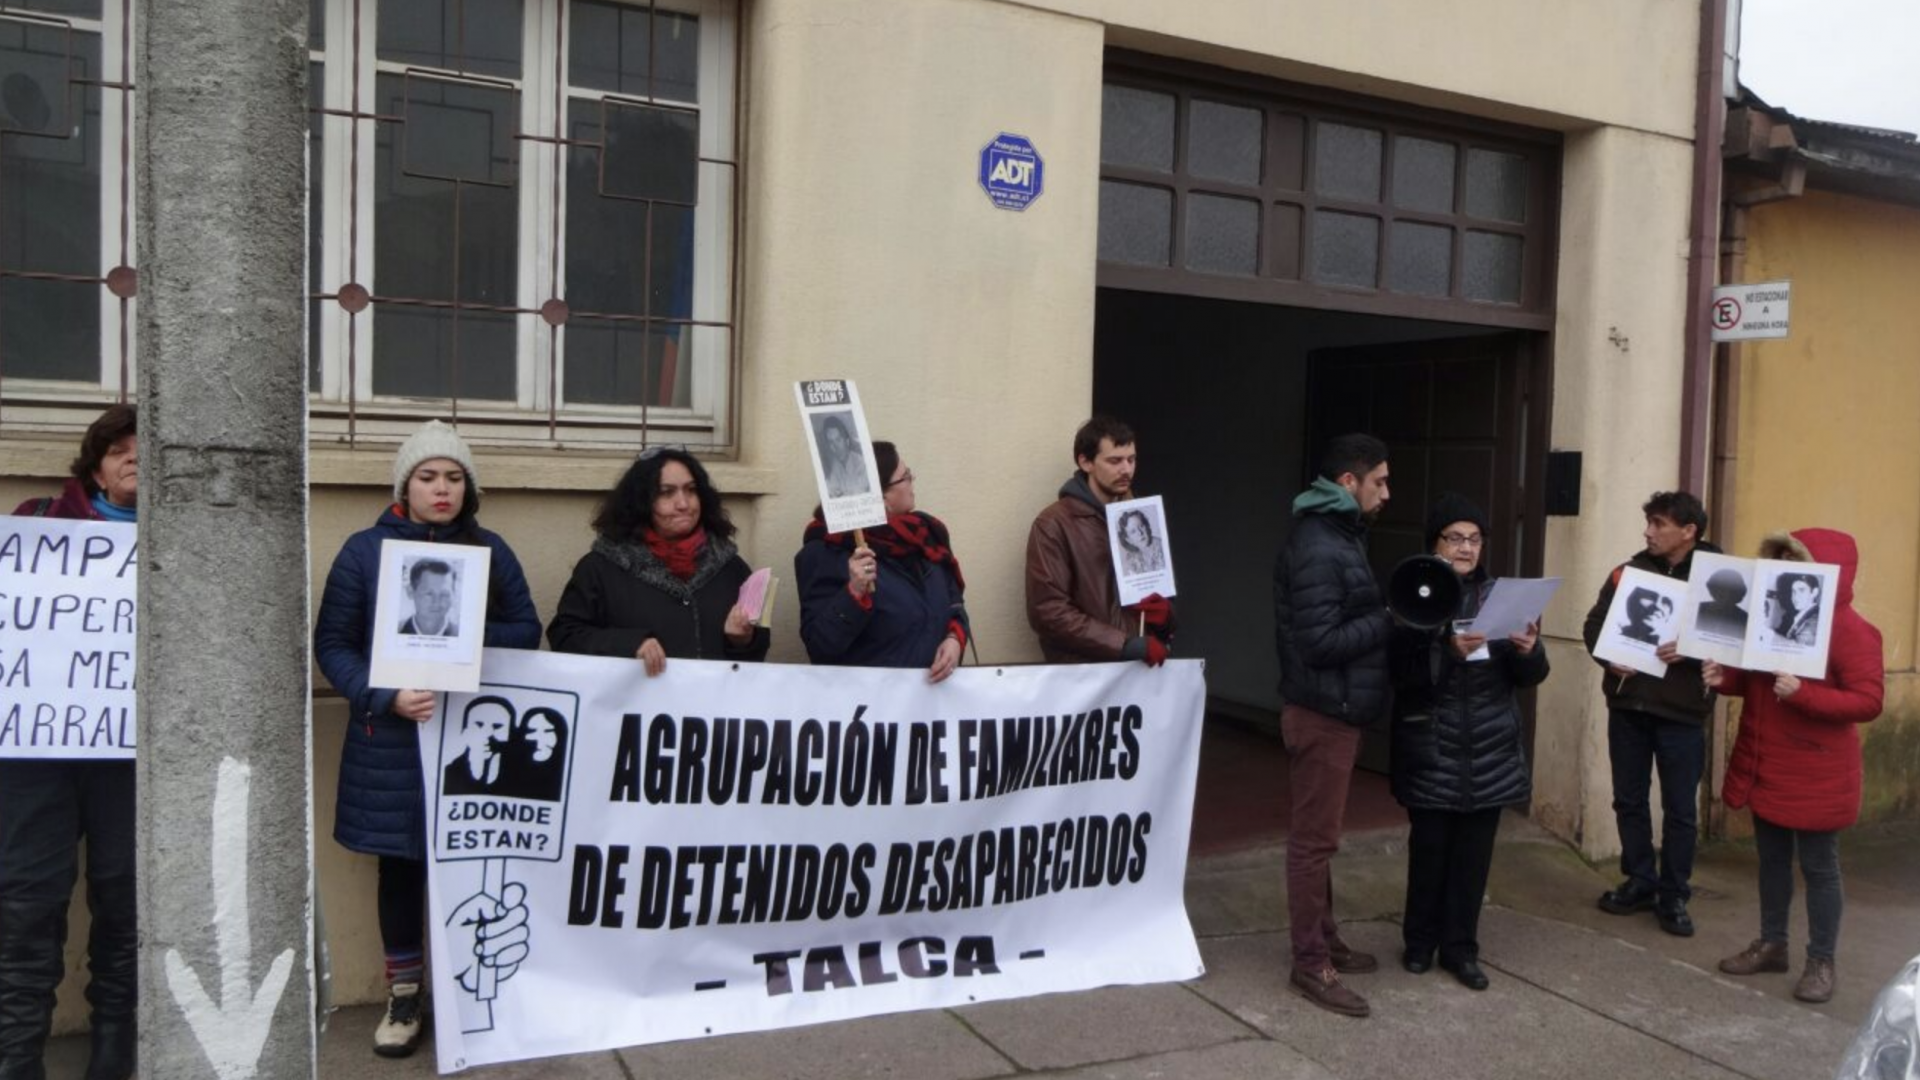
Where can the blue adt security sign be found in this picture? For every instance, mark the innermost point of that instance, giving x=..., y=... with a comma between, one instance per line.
x=1011, y=171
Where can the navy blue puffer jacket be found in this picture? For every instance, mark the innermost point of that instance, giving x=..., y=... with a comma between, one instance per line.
x=380, y=808
x=1456, y=727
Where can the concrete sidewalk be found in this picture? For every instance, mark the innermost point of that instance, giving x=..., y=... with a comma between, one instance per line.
x=1576, y=992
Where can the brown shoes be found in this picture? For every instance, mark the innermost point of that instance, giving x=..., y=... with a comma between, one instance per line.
x=1350, y=961
x=1324, y=989
x=1756, y=958
x=1816, y=982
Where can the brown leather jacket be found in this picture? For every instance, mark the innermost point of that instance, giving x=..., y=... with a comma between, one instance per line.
x=1073, y=602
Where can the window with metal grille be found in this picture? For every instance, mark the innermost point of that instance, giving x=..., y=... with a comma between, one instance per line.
x=66, y=228
x=524, y=215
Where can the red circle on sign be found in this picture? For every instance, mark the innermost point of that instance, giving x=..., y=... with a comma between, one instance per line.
x=1726, y=313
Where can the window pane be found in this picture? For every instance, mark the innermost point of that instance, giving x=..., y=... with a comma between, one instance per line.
x=457, y=131
x=49, y=202
x=1223, y=235
x=1136, y=224
x=415, y=349
x=1346, y=162
x=49, y=329
x=1423, y=175
x=628, y=364
x=1136, y=128
x=616, y=46
x=79, y=9
x=479, y=37
x=1422, y=259
x=1346, y=248
x=1224, y=142
x=1497, y=186
x=651, y=153
x=1490, y=267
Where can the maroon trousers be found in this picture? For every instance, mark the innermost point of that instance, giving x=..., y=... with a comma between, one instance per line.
x=1321, y=752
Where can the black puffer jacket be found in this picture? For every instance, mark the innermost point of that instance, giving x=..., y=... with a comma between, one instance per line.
x=1330, y=624
x=621, y=594
x=1679, y=694
x=1456, y=726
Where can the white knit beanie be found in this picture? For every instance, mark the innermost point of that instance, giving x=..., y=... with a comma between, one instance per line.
x=433, y=440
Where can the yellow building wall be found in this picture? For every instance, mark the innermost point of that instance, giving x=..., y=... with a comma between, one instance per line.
x=1829, y=432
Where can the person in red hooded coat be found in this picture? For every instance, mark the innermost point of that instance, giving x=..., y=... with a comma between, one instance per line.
x=1796, y=764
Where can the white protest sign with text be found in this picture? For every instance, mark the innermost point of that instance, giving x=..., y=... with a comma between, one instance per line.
x=850, y=482
x=1643, y=617
x=1142, y=552
x=430, y=618
x=739, y=847
x=67, y=607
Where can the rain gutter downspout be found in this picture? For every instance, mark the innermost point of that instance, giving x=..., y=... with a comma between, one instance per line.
x=1709, y=129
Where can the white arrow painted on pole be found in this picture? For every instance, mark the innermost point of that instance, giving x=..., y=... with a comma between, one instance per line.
x=235, y=1031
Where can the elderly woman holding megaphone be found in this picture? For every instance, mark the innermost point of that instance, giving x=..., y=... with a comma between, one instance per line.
x=1458, y=760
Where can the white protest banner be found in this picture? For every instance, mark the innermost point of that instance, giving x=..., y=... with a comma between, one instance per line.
x=67, y=604
x=1643, y=617
x=617, y=860
x=429, y=615
x=850, y=482
x=1142, y=551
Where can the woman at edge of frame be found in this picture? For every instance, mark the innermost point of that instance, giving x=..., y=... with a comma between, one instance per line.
x=48, y=805
x=899, y=601
x=1796, y=766
x=1458, y=757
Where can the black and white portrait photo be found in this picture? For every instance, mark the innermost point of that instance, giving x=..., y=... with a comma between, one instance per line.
x=1648, y=615
x=432, y=588
x=1724, y=613
x=841, y=463
x=498, y=753
x=1140, y=549
x=1793, y=609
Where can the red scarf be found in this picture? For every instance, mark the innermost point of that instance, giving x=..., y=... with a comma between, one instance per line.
x=903, y=536
x=681, y=557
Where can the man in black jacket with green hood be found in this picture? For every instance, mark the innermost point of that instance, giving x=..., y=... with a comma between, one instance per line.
x=1332, y=628
x=1657, y=722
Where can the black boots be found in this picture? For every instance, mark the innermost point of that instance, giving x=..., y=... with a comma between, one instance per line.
x=33, y=936
x=113, y=986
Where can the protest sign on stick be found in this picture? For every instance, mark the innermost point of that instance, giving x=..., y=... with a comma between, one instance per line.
x=1142, y=551
x=851, y=487
x=67, y=606
x=743, y=847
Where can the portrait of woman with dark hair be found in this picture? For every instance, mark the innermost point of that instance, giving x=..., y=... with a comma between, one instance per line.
x=840, y=459
x=1140, y=550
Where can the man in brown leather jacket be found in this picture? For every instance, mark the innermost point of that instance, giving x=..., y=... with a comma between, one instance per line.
x=1073, y=601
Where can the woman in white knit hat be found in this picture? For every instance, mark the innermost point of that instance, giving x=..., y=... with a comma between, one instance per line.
x=380, y=807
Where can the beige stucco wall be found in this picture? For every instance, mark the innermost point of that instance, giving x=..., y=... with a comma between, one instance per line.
x=873, y=254
x=1616, y=398
x=870, y=252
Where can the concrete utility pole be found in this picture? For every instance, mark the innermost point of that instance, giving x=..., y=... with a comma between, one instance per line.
x=225, y=782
